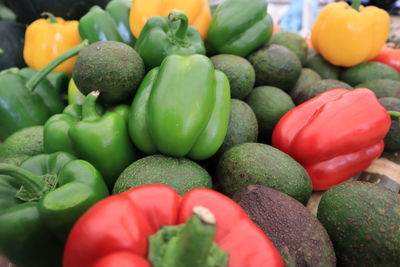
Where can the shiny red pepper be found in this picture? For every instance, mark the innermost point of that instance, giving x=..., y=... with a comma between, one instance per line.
x=115, y=231
x=334, y=135
x=389, y=56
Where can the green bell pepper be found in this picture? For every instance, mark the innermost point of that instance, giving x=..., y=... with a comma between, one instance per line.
x=163, y=36
x=239, y=27
x=181, y=108
x=39, y=203
x=23, y=103
x=102, y=140
x=111, y=24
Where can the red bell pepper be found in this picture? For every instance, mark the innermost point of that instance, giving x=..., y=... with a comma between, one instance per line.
x=334, y=135
x=116, y=230
x=389, y=56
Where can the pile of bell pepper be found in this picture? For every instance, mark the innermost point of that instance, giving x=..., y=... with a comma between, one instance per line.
x=56, y=208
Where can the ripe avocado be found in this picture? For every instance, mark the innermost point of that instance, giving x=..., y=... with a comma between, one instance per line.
x=368, y=71
x=269, y=104
x=325, y=69
x=242, y=127
x=317, y=88
x=255, y=163
x=392, y=139
x=21, y=145
x=382, y=87
x=293, y=42
x=180, y=173
x=295, y=232
x=306, y=79
x=113, y=68
x=275, y=65
x=239, y=71
x=362, y=220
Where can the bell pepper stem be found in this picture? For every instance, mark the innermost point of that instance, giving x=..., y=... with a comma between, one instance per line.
x=50, y=16
x=35, y=80
x=356, y=4
x=394, y=114
x=89, y=111
x=31, y=182
x=176, y=15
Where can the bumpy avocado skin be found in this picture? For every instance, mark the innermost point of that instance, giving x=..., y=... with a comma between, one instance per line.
x=255, y=163
x=295, y=232
x=113, y=68
x=276, y=65
x=240, y=73
x=21, y=145
x=325, y=69
x=293, y=42
x=382, y=87
x=362, y=220
x=392, y=139
x=306, y=79
x=368, y=71
x=180, y=173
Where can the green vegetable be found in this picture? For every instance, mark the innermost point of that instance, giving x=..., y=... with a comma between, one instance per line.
x=119, y=11
x=181, y=108
x=101, y=140
x=239, y=27
x=163, y=36
x=40, y=202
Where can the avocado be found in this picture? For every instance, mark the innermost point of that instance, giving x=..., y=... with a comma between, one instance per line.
x=242, y=127
x=21, y=145
x=368, y=71
x=325, y=69
x=362, y=220
x=392, y=139
x=255, y=163
x=179, y=173
x=269, y=104
x=382, y=87
x=276, y=65
x=317, y=88
x=293, y=42
x=306, y=79
x=239, y=71
x=113, y=68
x=294, y=231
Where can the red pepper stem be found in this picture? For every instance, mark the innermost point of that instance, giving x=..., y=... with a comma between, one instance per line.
x=394, y=114
x=35, y=80
x=175, y=15
x=89, y=111
x=356, y=4
x=50, y=16
x=31, y=182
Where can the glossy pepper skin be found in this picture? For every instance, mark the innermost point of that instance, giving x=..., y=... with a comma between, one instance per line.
x=22, y=102
x=347, y=36
x=334, y=135
x=142, y=211
x=102, y=140
x=390, y=56
x=181, y=108
x=239, y=27
x=198, y=12
x=163, y=36
x=35, y=220
x=46, y=39
x=119, y=11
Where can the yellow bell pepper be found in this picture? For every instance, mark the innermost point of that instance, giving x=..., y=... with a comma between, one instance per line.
x=349, y=35
x=198, y=12
x=45, y=39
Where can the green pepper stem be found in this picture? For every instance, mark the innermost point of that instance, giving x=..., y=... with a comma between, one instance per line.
x=35, y=80
x=50, y=16
x=394, y=114
x=175, y=15
x=30, y=181
x=89, y=111
x=356, y=4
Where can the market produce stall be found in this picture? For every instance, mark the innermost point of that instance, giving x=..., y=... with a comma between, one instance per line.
x=198, y=133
